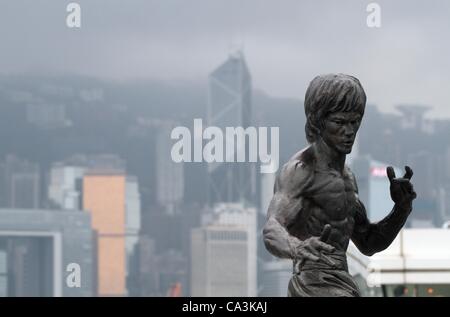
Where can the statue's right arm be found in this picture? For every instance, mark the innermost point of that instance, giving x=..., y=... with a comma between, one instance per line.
x=276, y=238
x=283, y=209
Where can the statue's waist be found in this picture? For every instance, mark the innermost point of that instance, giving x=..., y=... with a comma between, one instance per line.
x=338, y=259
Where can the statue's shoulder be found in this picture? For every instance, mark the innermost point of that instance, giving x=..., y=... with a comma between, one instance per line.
x=348, y=171
x=351, y=176
x=297, y=171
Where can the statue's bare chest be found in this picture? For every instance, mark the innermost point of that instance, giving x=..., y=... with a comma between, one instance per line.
x=334, y=194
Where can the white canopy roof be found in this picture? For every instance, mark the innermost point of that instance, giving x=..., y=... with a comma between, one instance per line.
x=417, y=256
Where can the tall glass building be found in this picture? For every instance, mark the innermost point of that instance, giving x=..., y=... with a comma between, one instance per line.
x=229, y=105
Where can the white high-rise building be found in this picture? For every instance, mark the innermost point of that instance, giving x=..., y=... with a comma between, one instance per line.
x=62, y=190
x=65, y=182
x=223, y=253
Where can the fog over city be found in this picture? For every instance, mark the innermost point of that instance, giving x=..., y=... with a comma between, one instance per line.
x=286, y=43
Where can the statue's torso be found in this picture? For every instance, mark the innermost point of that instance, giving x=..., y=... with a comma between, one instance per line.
x=330, y=199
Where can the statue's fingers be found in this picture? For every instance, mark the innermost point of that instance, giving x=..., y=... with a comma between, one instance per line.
x=328, y=260
x=326, y=247
x=390, y=173
x=308, y=255
x=312, y=248
x=412, y=192
x=406, y=186
x=409, y=172
x=323, y=246
x=401, y=181
x=325, y=233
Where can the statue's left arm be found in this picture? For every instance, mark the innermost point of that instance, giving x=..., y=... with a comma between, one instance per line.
x=371, y=238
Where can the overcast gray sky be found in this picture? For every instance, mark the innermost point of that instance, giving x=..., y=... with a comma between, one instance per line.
x=286, y=43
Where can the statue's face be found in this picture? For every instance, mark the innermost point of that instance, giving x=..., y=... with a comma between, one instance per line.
x=339, y=130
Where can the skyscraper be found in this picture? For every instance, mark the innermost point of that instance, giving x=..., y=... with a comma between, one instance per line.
x=169, y=175
x=104, y=198
x=229, y=105
x=224, y=253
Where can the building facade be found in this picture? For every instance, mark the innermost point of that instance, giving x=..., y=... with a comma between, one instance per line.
x=40, y=249
x=224, y=253
x=104, y=199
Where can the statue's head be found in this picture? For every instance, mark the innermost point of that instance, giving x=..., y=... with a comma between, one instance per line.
x=334, y=106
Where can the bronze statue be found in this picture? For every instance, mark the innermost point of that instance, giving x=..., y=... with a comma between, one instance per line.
x=315, y=210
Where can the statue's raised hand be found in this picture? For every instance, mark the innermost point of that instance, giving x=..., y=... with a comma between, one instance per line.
x=402, y=191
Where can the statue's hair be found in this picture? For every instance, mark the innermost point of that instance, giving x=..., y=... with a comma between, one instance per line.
x=328, y=94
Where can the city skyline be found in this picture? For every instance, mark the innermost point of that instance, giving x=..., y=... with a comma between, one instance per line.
x=86, y=124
